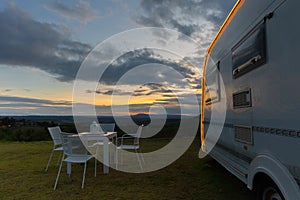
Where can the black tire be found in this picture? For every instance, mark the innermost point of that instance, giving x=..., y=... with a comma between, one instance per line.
x=268, y=190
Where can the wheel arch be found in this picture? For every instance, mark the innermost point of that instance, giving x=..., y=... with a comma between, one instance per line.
x=267, y=165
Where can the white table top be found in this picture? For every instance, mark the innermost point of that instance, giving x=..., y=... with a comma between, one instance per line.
x=106, y=134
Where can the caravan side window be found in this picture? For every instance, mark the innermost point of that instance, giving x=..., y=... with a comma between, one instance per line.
x=212, y=81
x=250, y=52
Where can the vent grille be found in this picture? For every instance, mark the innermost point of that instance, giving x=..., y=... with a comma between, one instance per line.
x=242, y=99
x=243, y=134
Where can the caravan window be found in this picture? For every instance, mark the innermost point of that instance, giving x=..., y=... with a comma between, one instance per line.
x=212, y=81
x=250, y=52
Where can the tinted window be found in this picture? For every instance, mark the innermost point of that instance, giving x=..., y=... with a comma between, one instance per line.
x=250, y=52
x=212, y=81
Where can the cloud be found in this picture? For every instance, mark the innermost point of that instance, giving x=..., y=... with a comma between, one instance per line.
x=7, y=90
x=13, y=105
x=32, y=101
x=82, y=11
x=199, y=19
x=156, y=78
x=14, y=90
x=48, y=47
x=152, y=88
x=152, y=62
x=109, y=92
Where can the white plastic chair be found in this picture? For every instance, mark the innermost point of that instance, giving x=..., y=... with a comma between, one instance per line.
x=93, y=142
x=133, y=145
x=57, y=143
x=74, y=152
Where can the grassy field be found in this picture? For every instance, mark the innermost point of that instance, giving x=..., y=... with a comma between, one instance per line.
x=22, y=176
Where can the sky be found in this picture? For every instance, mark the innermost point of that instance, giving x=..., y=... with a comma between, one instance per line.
x=43, y=45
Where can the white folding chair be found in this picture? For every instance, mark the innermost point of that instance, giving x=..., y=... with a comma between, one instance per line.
x=74, y=152
x=57, y=143
x=134, y=144
x=93, y=142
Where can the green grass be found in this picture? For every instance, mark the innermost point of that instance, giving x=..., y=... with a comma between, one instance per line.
x=22, y=176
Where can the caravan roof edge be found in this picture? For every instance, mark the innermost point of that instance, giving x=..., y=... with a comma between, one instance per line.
x=228, y=19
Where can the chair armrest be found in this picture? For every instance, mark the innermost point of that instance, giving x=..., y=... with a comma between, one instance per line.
x=65, y=143
x=125, y=136
x=129, y=135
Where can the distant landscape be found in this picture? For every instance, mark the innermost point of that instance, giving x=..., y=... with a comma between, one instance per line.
x=34, y=128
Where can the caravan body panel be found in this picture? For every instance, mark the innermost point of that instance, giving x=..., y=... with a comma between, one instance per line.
x=257, y=55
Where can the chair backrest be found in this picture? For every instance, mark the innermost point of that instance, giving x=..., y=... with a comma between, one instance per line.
x=72, y=145
x=136, y=140
x=108, y=127
x=55, y=135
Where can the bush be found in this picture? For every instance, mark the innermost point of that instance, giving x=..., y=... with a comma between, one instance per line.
x=24, y=134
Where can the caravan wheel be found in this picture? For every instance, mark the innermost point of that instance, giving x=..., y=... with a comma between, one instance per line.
x=269, y=191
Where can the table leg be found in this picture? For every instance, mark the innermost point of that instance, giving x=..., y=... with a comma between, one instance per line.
x=105, y=157
x=116, y=153
x=69, y=168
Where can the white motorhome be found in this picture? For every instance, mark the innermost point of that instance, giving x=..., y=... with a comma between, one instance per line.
x=251, y=93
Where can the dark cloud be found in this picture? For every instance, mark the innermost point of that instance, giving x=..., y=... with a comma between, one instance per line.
x=137, y=58
x=152, y=88
x=160, y=81
x=10, y=90
x=82, y=12
x=108, y=92
x=197, y=19
x=187, y=16
x=27, y=100
x=7, y=90
x=48, y=47
x=170, y=100
x=145, y=90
